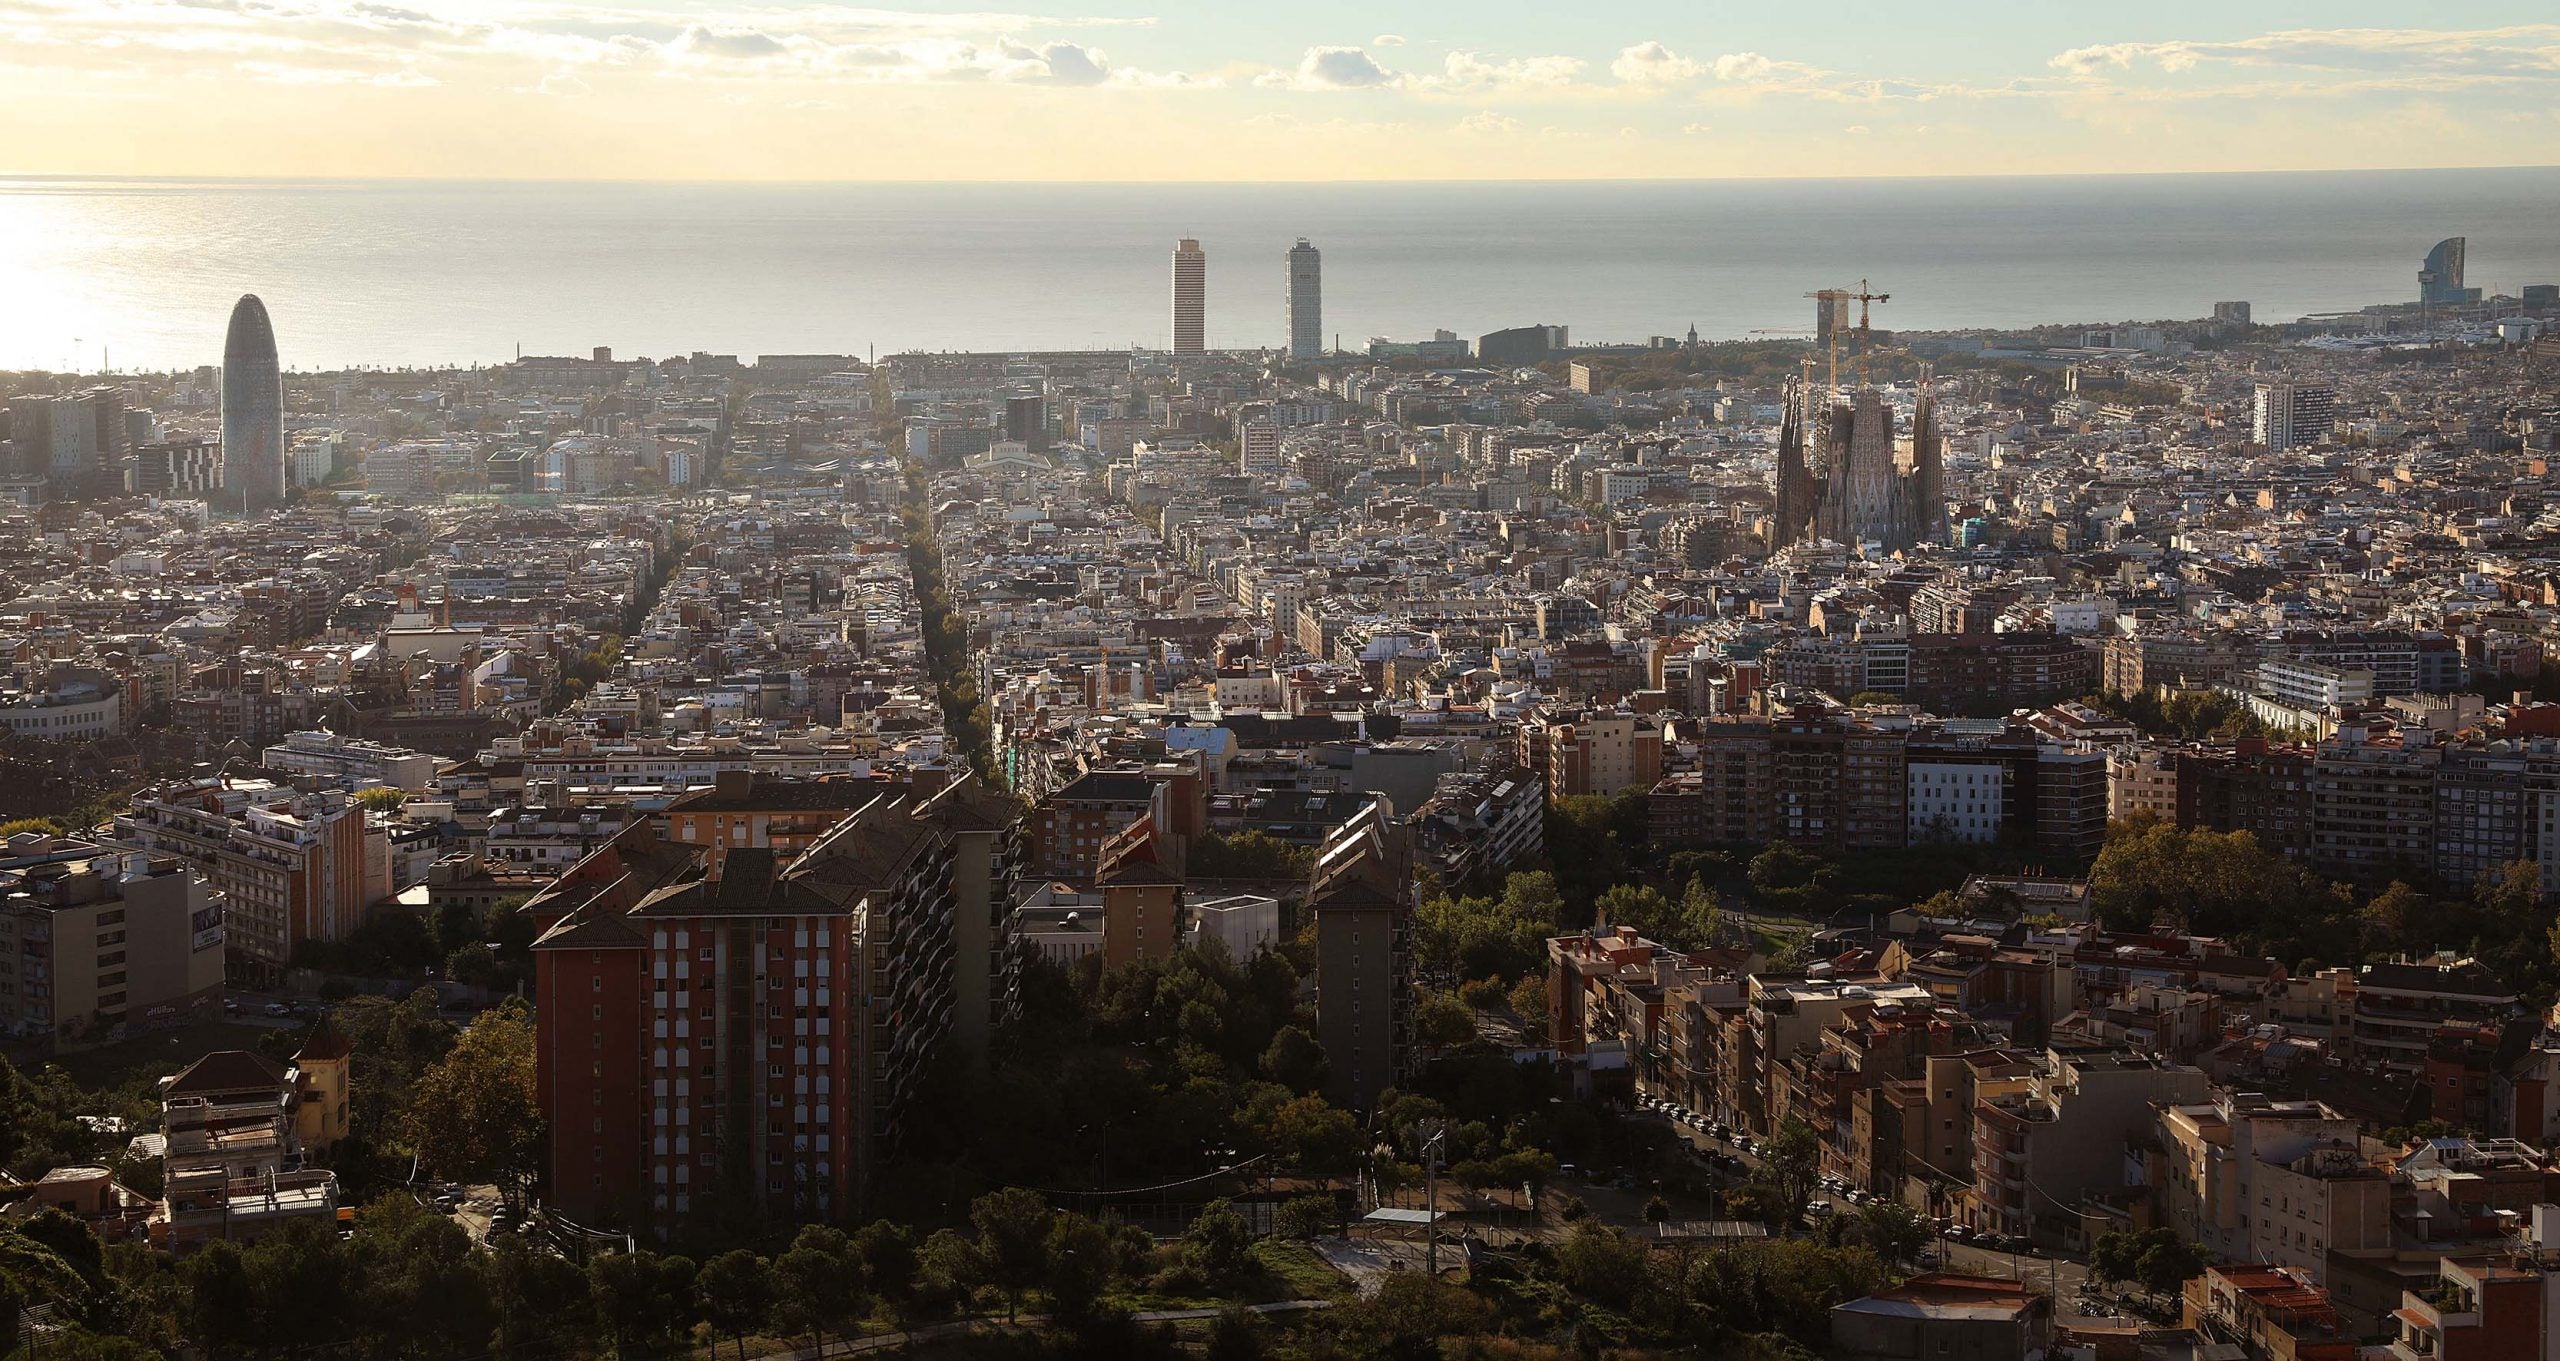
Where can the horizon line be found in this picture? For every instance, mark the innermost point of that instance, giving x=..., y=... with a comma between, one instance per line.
x=8, y=177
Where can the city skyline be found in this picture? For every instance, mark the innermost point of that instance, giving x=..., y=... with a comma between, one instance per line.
x=1116, y=90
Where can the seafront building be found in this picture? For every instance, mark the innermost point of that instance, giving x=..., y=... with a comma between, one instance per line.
x=253, y=464
x=1306, y=301
x=1190, y=297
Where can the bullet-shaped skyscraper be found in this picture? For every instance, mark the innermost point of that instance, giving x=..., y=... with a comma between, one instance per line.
x=252, y=410
x=1306, y=301
x=1190, y=298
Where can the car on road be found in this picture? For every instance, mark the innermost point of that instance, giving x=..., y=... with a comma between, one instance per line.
x=277, y=1009
x=448, y=1203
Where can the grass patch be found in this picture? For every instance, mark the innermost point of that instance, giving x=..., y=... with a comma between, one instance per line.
x=1299, y=1273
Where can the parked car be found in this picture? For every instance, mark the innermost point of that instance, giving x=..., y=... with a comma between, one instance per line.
x=278, y=1009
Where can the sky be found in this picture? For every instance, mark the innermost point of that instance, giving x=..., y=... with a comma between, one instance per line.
x=1219, y=90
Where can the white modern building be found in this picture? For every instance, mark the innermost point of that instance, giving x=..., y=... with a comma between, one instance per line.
x=1956, y=800
x=2313, y=685
x=74, y=710
x=352, y=762
x=1246, y=924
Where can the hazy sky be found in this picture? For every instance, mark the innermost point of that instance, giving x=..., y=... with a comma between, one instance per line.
x=1279, y=89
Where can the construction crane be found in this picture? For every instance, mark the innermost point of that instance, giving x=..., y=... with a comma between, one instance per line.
x=1830, y=299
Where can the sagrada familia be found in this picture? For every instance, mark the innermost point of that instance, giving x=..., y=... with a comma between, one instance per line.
x=1859, y=486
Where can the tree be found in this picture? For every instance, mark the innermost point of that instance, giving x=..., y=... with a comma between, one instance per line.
x=475, y=1114
x=540, y=1299
x=737, y=1292
x=1895, y=1233
x=640, y=1297
x=217, y=1305
x=1657, y=1212
x=1248, y=855
x=2157, y=1259
x=1792, y=880
x=887, y=1253
x=1407, y=1317
x=818, y=1285
x=1219, y=1244
x=2396, y=917
x=1082, y=1259
x=2220, y=884
x=1499, y=937
x=1237, y=1335
x=1305, y=1217
x=382, y=799
x=1791, y=1156
x=948, y=1269
x=1529, y=1003
x=1594, y=842
x=1443, y=1022
x=1312, y=1134
x=1013, y=1237
x=1641, y=906
x=1601, y=1263
x=2170, y=1263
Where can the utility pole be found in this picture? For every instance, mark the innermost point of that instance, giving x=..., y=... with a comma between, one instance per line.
x=1431, y=1200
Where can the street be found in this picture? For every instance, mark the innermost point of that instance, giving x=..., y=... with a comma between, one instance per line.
x=2060, y=1276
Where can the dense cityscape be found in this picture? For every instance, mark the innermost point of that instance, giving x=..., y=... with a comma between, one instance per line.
x=1852, y=842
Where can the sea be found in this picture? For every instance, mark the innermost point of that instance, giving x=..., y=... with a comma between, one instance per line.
x=140, y=274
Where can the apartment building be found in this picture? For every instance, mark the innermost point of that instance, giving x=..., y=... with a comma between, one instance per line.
x=95, y=940
x=2142, y=781
x=238, y=1143
x=756, y=1035
x=1478, y=824
x=1599, y=753
x=290, y=867
x=1779, y=1018
x=2401, y=1004
x=748, y=809
x=1912, y=1138
x=1071, y=826
x=2049, y=1155
x=2282, y=1182
x=1361, y=897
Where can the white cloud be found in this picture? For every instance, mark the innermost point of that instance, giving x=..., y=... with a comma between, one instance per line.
x=1696, y=129
x=1387, y=40
x=539, y=46
x=729, y=44
x=1651, y=63
x=1053, y=64
x=1332, y=68
x=1856, y=129
x=1467, y=73
x=2517, y=53
x=1743, y=66
x=1488, y=123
